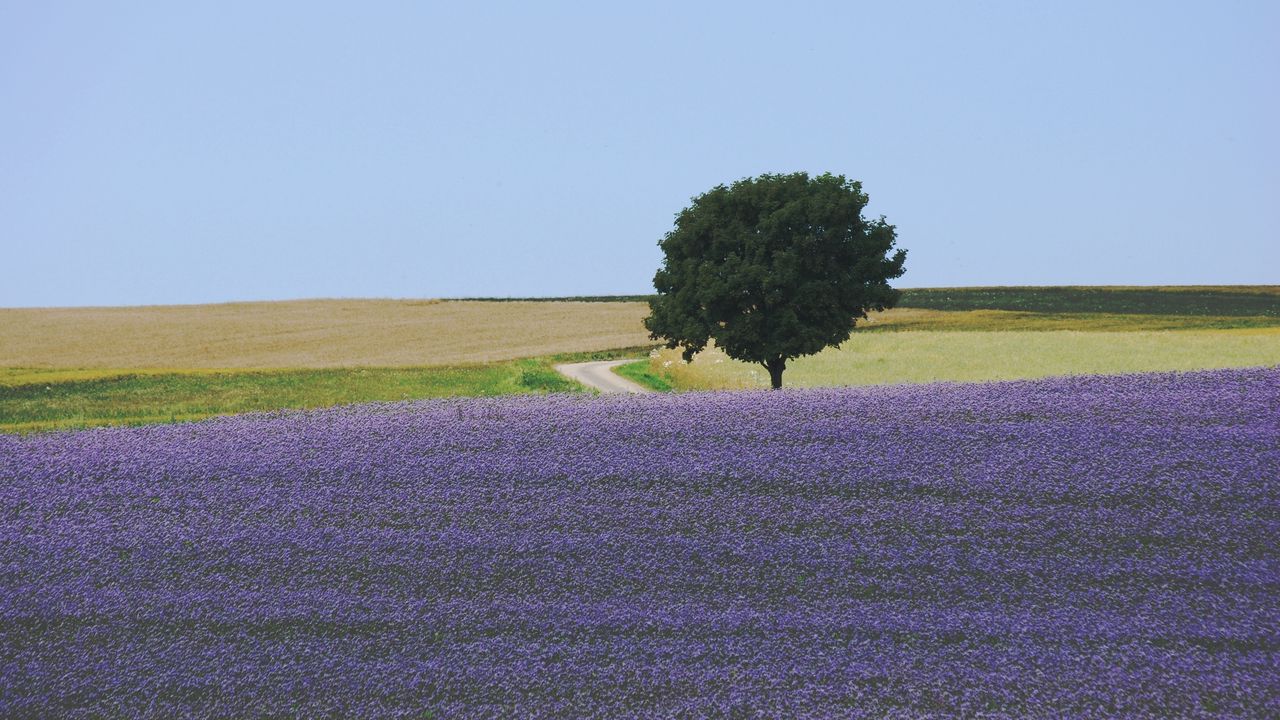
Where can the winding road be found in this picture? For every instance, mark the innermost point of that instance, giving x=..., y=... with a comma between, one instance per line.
x=600, y=375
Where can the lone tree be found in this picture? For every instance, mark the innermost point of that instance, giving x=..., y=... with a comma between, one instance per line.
x=773, y=268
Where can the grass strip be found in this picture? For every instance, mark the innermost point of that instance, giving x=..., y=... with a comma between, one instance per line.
x=642, y=373
x=138, y=398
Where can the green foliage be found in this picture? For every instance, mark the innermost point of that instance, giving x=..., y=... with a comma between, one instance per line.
x=1221, y=301
x=642, y=373
x=773, y=268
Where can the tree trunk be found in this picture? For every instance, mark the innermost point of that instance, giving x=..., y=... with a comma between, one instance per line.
x=775, y=368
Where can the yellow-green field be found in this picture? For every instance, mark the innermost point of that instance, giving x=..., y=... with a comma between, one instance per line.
x=933, y=355
x=981, y=334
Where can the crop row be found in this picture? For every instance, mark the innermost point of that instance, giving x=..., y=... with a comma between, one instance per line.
x=1081, y=546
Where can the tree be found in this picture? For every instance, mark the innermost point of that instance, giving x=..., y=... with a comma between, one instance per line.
x=773, y=268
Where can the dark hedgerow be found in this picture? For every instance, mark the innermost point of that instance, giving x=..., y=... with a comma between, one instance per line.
x=1261, y=301
x=1100, y=546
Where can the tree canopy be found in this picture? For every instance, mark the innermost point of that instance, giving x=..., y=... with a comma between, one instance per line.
x=773, y=268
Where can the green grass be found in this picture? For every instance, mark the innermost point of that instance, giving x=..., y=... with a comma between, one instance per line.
x=1254, y=300
x=928, y=356
x=31, y=401
x=644, y=374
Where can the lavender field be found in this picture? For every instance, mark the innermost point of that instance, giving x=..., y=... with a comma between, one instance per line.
x=1094, y=546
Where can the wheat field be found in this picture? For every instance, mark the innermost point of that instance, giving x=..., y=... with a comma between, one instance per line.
x=312, y=333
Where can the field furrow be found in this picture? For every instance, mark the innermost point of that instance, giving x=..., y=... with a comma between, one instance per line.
x=1092, y=546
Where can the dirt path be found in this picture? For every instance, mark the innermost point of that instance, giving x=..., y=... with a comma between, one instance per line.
x=600, y=376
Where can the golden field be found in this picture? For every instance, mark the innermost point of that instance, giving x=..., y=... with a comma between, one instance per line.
x=312, y=333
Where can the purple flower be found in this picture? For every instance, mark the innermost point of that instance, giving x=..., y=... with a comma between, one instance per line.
x=1092, y=546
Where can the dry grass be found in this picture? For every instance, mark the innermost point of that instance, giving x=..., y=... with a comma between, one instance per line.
x=312, y=333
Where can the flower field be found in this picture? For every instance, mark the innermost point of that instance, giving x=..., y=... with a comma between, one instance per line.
x=1092, y=546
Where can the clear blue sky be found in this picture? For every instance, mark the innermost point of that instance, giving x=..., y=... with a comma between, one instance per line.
x=174, y=152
